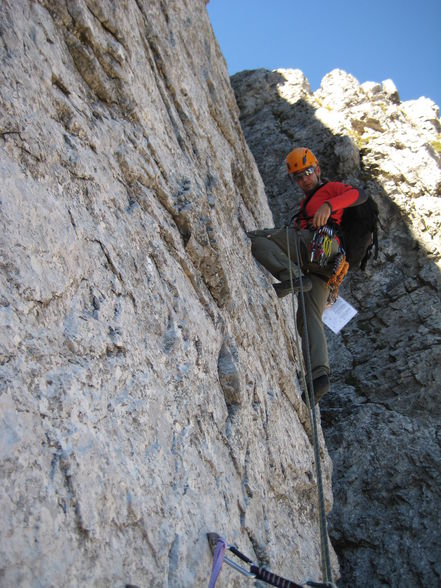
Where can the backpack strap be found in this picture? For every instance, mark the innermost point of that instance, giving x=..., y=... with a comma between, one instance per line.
x=374, y=246
x=301, y=212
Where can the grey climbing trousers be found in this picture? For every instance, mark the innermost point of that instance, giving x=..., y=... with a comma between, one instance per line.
x=270, y=248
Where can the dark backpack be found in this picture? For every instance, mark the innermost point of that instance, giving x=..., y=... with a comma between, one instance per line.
x=358, y=231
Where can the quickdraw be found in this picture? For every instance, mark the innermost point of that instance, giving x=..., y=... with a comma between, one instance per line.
x=321, y=245
x=340, y=269
x=255, y=572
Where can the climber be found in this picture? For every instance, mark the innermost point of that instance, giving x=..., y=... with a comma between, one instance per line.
x=316, y=226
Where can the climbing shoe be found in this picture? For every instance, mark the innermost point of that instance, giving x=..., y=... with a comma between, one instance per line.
x=321, y=388
x=284, y=288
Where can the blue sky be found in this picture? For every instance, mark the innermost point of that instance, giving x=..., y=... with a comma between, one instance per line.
x=372, y=40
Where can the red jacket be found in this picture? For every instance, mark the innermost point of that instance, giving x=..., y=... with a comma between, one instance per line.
x=338, y=195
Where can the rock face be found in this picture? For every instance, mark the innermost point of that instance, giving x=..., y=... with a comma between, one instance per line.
x=149, y=387
x=382, y=416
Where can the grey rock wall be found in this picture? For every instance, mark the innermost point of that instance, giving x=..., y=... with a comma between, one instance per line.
x=148, y=377
x=381, y=418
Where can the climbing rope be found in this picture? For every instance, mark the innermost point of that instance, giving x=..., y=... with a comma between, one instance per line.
x=309, y=392
x=219, y=544
x=340, y=269
x=293, y=307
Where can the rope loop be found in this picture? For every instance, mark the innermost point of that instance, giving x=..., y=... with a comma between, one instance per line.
x=340, y=269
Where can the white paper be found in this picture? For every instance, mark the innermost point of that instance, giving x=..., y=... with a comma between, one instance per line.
x=338, y=315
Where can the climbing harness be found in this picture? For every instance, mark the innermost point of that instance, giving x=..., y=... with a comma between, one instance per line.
x=219, y=546
x=309, y=392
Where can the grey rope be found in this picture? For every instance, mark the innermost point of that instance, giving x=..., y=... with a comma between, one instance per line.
x=293, y=307
x=326, y=561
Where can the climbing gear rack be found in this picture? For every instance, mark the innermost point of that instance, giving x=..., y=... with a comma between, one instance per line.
x=320, y=247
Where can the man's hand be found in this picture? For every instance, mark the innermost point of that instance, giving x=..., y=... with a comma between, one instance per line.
x=322, y=215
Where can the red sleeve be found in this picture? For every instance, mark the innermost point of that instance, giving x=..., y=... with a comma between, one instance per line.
x=339, y=196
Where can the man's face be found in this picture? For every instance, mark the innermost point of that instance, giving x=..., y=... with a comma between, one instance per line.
x=308, y=181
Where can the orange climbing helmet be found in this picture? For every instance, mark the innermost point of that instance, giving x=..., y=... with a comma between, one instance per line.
x=300, y=159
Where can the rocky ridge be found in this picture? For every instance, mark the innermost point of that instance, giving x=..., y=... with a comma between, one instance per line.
x=381, y=419
x=148, y=375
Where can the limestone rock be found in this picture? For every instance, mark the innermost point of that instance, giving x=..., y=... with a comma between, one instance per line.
x=149, y=388
x=382, y=416
x=390, y=90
